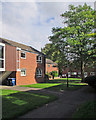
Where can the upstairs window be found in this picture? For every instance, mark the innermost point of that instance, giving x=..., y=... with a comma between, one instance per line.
x=39, y=59
x=48, y=65
x=23, y=54
x=54, y=65
x=39, y=72
x=2, y=57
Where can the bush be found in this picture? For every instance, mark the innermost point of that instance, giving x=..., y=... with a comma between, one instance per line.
x=49, y=76
x=91, y=80
x=54, y=73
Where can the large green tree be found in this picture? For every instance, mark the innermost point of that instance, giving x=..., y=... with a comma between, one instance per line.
x=56, y=54
x=74, y=39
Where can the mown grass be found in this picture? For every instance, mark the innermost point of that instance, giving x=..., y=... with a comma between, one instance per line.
x=86, y=110
x=16, y=103
x=41, y=85
x=59, y=84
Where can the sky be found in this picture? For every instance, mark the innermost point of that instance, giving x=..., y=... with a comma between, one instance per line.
x=30, y=21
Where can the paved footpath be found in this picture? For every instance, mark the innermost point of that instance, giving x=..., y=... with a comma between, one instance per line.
x=64, y=107
x=33, y=90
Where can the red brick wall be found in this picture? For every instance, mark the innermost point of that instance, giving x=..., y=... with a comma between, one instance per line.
x=10, y=58
x=30, y=64
x=51, y=68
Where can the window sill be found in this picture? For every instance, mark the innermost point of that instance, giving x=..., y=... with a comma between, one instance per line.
x=23, y=58
x=38, y=76
x=23, y=75
x=2, y=69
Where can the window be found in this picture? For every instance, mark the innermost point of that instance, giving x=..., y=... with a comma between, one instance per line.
x=39, y=59
x=79, y=73
x=23, y=54
x=2, y=57
x=39, y=72
x=92, y=73
x=74, y=73
x=85, y=74
x=23, y=72
x=48, y=65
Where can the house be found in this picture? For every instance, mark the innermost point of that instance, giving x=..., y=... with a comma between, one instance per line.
x=77, y=73
x=51, y=66
x=22, y=62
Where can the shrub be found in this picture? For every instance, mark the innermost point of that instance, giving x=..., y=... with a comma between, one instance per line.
x=54, y=73
x=47, y=74
x=91, y=80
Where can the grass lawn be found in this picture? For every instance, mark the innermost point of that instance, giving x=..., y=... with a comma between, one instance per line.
x=16, y=103
x=41, y=85
x=59, y=84
x=86, y=110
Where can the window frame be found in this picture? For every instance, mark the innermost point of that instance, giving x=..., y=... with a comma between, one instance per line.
x=24, y=53
x=48, y=65
x=3, y=59
x=39, y=61
x=74, y=73
x=39, y=75
x=92, y=73
x=25, y=71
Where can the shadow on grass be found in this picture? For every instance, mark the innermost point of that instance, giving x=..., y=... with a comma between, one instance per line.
x=63, y=81
x=64, y=87
x=16, y=104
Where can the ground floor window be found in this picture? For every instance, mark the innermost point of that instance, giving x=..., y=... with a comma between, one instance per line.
x=85, y=74
x=39, y=72
x=23, y=72
x=74, y=73
x=2, y=56
x=92, y=73
x=79, y=73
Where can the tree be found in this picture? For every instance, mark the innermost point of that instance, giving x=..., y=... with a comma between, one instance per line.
x=79, y=23
x=56, y=54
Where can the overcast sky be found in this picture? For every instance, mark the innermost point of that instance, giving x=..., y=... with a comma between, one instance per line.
x=30, y=22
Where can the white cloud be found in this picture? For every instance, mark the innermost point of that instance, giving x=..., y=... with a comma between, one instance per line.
x=47, y=0
x=31, y=22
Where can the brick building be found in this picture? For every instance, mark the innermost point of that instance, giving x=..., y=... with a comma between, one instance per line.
x=51, y=66
x=22, y=62
x=77, y=73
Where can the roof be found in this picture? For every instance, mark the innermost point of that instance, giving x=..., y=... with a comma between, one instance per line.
x=22, y=46
x=48, y=61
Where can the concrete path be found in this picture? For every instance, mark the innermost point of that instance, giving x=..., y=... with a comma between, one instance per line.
x=34, y=90
x=64, y=107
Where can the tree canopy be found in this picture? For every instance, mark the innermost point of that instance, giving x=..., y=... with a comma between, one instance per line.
x=74, y=40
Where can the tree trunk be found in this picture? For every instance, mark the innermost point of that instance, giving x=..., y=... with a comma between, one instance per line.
x=82, y=70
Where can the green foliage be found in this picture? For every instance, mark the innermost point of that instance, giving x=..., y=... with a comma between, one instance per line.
x=48, y=75
x=79, y=22
x=53, y=73
x=91, y=80
x=86, y=110
x=54, y=53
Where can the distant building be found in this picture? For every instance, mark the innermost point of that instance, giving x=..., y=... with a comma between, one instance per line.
x=77, y=73
x=51, y=66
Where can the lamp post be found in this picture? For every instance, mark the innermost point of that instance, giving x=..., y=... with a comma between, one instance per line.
x=67, y=47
